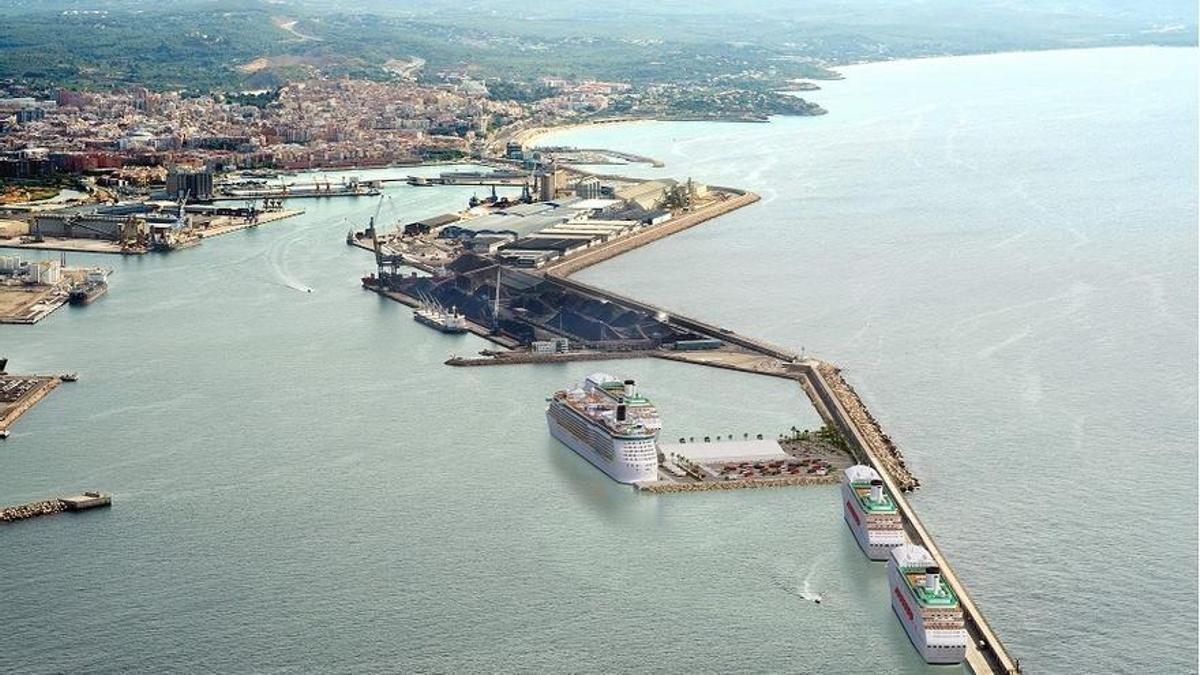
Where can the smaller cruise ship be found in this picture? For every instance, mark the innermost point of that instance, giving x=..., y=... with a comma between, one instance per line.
x=926, y=606
x=871, y=512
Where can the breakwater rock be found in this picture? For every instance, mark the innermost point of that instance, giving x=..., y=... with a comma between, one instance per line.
x=881, y=444
x=47, y=507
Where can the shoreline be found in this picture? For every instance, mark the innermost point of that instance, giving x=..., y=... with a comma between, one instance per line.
x=531, y=136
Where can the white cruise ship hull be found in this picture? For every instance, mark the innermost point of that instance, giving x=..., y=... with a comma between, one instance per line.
x=625, y=460
x=878, y=544
x=937, y=647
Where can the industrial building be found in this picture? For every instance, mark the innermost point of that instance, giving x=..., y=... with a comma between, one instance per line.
x=120, y=222
x=192, y=184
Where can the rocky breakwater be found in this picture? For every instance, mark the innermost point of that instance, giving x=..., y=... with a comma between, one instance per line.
x=47, y=507
x=880, y=445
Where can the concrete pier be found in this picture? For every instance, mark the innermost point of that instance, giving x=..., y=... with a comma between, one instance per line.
x=19, y=393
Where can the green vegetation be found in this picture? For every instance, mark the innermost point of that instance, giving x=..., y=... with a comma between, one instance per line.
x=232, y=45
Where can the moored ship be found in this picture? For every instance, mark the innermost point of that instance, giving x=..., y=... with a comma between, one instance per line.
x=871, y=512
x=607, y=422
x=439, y=318
x=94, y=285
x=926, y=605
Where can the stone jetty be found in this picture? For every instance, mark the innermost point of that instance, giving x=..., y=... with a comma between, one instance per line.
x=47, y=507
x=881, y=444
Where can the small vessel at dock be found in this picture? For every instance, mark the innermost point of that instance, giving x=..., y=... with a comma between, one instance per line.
x=434, y=315
x=926, y=605
x=69, y=377
x=871, y=512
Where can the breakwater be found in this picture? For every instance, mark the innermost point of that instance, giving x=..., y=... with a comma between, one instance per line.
x=46, y=507
x=880, y=445
x=49, y=507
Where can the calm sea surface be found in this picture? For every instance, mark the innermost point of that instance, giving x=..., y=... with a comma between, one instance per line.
x=1000, y=250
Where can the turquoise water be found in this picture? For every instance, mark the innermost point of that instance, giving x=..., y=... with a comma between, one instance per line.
x=1001, y=251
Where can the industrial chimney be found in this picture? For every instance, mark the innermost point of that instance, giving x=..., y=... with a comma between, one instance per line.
x=876, y=490
x=630, y=388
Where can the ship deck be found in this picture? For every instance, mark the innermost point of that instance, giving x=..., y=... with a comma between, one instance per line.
x=943, y=597
x=887, y=505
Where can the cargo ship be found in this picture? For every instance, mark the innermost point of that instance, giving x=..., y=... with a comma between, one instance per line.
x=94, y=285
x=608, y=423
x=871, y=512
x=926, y=606
x=439, y=318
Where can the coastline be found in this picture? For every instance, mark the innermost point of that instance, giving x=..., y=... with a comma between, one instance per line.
x=532, y=135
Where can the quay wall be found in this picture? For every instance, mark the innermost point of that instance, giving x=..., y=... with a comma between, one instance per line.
x=753, y=344
x=515, y=358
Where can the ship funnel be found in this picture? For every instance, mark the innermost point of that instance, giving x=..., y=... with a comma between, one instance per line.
x=630, y=388
x=621, y=412
x=933, y=578
x=876, y=490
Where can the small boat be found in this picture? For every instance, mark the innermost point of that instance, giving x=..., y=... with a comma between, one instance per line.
x=69, y=377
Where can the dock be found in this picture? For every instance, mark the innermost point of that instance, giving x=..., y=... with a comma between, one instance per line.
x=49, y=507
x=19, y=393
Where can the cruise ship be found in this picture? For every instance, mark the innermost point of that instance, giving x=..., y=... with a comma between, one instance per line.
x=926, y=605
x=871, y=512
x=611, y=425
